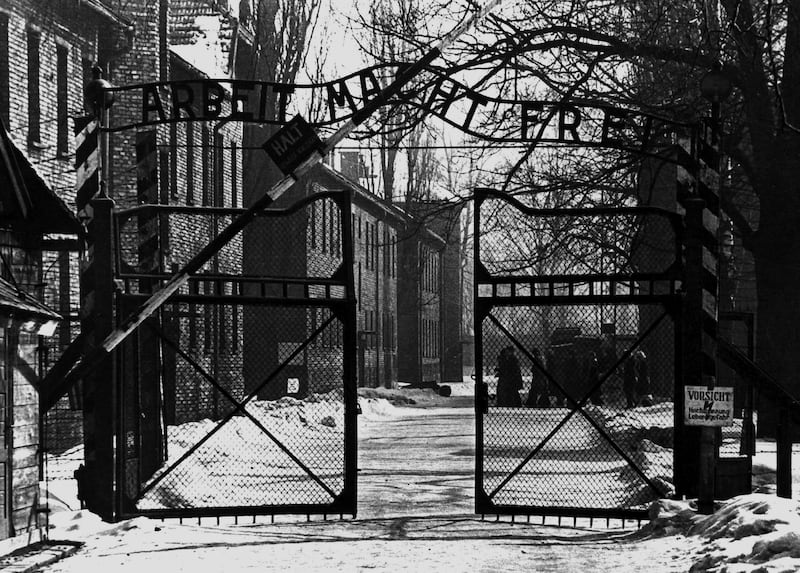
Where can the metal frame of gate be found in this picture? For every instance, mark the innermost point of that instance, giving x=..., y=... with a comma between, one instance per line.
x=514, y=452
x=168, y=456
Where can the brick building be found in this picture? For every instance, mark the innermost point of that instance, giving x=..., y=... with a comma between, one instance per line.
x=400, y=268
x=46, y=51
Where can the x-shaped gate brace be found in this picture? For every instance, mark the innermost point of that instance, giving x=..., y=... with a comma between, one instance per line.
x=577, y=406
x=239, y=407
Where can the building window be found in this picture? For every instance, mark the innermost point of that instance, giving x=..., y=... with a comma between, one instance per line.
x=219, y=170
x=206, y=165
x=332, y=223
x=313, y=225
x=34, y=97
x=208, y=318
x=375, y=246
x=62, y=101
x=173, y=160
x=190, y=163
x=234, y=176
x=367, y=244
x=324, y=218
x=193, y=289
x=235, y=328
x=163, y=177
x=394, y=255
x=338, y=233
x=222, y=331
x=5, y=74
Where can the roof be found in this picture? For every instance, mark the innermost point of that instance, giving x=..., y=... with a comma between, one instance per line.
x=20, y=305
x=369, y=201
x=360, y=194
x=26, y=201
x=201, y=33
x=100, y=7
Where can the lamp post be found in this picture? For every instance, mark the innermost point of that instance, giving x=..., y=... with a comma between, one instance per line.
x=97, y=101
x=715, y=86
x=97, y=304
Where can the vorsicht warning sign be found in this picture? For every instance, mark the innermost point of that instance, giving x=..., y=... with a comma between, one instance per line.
x=708, y=407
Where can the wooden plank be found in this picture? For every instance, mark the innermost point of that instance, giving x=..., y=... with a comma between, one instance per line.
x=25, y=393
x=22, y=502
x=26, y=414
x=25, y=477
x=26, y=435
x=26, y=456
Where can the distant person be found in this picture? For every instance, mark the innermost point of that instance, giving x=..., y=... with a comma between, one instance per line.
x=539, y=393
x=636, y=381
x=593, y=380
x=509, y=379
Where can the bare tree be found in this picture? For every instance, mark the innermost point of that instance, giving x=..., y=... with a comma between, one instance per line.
x=650, y=56
x=282, y=33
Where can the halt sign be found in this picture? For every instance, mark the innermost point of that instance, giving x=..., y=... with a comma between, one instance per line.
x=706, y=406
x=292, y=144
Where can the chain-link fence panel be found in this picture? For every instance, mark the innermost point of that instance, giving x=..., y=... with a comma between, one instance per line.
x=241, y=428
x=578, y=417
x=577, y=358
x=62, y=425
x=236, y=396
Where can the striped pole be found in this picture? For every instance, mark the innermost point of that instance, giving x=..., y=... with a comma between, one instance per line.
x=87, y=164
x=147, y=194
x=708, y=183
x=172, y=286
x=87, y=185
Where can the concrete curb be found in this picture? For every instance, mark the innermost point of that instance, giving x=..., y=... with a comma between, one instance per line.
x=38, y=555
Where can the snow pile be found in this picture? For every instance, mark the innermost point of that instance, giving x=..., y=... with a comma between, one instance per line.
x=749, y=534
x=283, y=451
x=647, y=435
x=83, y=524
x=754, y=533
x=376, y=408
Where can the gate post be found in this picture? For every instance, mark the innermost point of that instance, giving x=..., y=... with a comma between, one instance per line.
x=99, y=392
x=695, y=447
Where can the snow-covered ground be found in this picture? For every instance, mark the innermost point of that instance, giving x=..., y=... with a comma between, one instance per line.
x=416, y=512
x=755, y=533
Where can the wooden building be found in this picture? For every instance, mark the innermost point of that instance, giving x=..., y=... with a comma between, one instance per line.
x=31, y=216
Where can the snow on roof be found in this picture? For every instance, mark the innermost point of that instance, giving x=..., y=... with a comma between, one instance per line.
x=201, y=33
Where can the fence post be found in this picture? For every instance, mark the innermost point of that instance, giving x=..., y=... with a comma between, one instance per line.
x=696, y=446
x=783, y=469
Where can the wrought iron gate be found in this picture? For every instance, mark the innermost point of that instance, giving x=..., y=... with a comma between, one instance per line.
x=239, y=395
x=577, y=325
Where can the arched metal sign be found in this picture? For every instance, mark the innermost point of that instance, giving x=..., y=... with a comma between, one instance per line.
x=513, y=121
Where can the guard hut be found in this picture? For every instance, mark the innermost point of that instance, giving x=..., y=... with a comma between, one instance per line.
x=31, y=215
